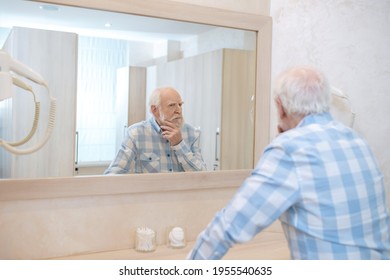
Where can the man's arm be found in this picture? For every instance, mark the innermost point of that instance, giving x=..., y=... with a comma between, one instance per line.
x=123, y=159
x=262, y=198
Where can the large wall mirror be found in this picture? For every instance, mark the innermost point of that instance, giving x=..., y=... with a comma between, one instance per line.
x=103, y=58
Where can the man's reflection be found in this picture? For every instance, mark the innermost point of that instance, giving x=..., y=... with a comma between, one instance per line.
x=163, y=143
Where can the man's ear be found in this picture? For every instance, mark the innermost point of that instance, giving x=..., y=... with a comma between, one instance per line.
x=280, y=108
x=154, y=110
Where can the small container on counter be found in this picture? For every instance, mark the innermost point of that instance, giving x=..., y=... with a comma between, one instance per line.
x=176, y=237
x=145, y=240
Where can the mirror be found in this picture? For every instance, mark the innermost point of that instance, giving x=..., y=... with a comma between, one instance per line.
x=180, y=46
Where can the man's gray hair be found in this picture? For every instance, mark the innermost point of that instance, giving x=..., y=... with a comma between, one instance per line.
x=154, y=98
x=303, y=91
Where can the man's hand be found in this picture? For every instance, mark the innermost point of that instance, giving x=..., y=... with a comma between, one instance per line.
x=171, y=132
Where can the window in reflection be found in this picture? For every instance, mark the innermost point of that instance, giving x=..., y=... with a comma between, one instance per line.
x=98, y=60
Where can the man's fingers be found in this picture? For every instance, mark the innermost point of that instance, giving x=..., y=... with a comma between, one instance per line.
x=167, y=128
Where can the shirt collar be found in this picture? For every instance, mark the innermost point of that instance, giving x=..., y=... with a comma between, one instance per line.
x=315, y=119
x=155, y=125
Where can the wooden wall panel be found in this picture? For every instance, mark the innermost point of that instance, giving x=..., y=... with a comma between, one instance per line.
x=52, y=54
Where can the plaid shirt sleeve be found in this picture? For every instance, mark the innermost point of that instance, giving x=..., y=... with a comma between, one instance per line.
x=253, y=208
x=125, y=158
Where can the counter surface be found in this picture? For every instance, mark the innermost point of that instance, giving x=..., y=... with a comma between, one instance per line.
x=265, y=246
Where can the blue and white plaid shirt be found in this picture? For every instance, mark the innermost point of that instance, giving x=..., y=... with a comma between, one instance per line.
x=144, y=150
x=323, y=183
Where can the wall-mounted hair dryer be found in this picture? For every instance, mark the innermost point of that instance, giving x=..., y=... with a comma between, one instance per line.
x=8, y=66
x=341, y=107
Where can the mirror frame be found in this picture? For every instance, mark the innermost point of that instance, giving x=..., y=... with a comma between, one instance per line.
x=14, y=189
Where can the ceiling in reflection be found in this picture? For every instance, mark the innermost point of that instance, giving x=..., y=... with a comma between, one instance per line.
x=92, y=22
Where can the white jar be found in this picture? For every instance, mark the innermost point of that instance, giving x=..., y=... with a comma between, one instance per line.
x=145, y=240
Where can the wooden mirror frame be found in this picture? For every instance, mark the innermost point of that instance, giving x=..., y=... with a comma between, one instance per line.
x=13, y=189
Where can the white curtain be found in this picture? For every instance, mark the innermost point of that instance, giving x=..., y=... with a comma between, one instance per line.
x=98, y=60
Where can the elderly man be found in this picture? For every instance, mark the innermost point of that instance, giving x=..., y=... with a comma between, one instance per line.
x=163, y=143
x=319, y=177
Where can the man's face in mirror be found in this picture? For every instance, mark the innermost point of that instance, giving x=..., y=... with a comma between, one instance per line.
x=170, y=108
